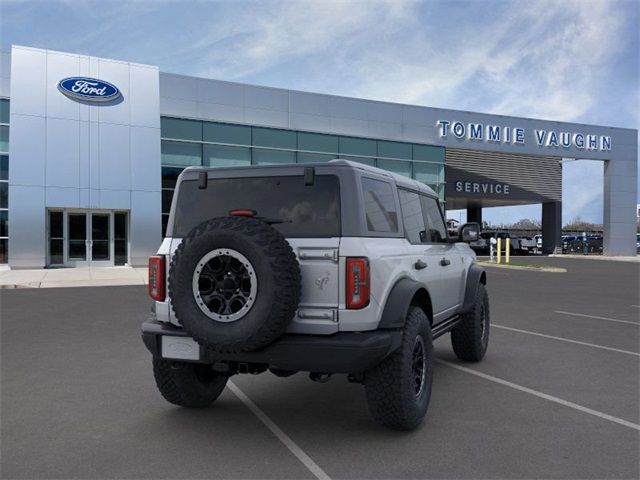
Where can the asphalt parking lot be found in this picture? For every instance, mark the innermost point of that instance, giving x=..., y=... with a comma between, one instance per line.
x=556, y=397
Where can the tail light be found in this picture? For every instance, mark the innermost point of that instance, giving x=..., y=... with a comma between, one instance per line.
x=157, y=278
x=242, y=212
x=358, y=282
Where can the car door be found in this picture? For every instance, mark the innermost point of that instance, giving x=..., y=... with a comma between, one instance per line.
x=424, y=255
x=445, y=256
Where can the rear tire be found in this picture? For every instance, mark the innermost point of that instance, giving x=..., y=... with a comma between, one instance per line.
x=399, y=389
x=470, y=338
x=185, y=384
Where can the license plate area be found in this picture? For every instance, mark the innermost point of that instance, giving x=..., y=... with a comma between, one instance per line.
x=179, y=348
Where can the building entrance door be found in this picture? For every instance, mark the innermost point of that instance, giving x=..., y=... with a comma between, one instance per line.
x=83, y=238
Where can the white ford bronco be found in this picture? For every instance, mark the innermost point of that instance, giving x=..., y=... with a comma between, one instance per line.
x=324, y=268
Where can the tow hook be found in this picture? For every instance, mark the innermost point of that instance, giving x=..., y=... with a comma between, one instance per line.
x=320, y=377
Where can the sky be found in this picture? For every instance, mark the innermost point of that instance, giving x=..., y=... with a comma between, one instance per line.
x=568, y=60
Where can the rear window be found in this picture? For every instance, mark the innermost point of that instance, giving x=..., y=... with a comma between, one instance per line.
x=305, y=210
x=380, y=206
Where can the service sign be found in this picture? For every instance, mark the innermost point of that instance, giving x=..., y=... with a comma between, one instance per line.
x=88, y=89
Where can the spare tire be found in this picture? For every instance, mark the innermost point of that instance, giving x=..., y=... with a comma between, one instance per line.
x=234, y=283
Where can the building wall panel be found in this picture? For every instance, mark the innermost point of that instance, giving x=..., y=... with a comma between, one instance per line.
x=77, y=154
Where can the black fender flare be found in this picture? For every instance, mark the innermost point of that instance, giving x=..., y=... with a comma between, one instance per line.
x=398, y=303
x=475, y=277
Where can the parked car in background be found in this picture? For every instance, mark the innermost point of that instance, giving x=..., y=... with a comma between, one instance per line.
x=527, y=245
x=568, y=243
x=582, y=244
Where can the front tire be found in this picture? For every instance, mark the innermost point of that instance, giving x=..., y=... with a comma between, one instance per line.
x=470, y=338
x=185, y=384
x=399, y=389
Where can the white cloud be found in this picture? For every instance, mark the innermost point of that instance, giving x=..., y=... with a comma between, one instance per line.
x=544, y=59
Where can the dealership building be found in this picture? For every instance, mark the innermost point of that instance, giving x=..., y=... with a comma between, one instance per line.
x=90, y=150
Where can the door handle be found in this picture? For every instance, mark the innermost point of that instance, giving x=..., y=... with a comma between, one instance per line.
x=419, y=265
x=445, y=261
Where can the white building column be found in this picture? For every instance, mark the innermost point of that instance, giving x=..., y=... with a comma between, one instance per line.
x=620, y=199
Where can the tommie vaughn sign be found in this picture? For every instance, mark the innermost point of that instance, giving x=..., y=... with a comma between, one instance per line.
x=88, y=89
x=478, y=132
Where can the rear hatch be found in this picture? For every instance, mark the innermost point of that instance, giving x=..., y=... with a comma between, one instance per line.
x=306, y=212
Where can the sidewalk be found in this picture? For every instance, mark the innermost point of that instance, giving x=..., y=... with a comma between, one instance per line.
x=73, y=277
x=635, y=259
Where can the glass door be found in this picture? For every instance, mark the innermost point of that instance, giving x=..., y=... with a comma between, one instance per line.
x=77, y=239
x=120, y=238
x=100, y=241
x=56, y=238
x=83, y=238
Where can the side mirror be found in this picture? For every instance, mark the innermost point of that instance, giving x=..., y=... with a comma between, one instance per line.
x=469, y=232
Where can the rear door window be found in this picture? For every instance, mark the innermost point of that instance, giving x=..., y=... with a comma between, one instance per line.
x=380, y=206
x=301, y=210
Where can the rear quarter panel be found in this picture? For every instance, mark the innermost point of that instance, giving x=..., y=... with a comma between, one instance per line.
x=389, y=261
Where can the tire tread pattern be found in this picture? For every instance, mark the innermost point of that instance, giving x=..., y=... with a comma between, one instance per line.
x=388, y=386
x=182, y=387
x=466, y=337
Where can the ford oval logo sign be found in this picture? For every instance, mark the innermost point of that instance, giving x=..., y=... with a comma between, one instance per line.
x=89, y=89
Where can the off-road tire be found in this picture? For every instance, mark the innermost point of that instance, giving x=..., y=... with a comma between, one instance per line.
x=185, y=384
x=390, y=386
x=278, y=279
x=470, y=338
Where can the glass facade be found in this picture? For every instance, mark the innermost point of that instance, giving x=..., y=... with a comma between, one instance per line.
x=194, y=142
x=4, y=180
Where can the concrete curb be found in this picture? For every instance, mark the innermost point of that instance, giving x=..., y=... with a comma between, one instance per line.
x=601, y=258
x=523, y=267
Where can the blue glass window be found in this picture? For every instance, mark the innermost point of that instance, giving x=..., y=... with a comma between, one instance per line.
x=274, y=138
x=4, y=111
x=170, y=176
x=396, y=166
x=181, y=129
x=224, y=156
x=4, y=138
x=316, y=142
x=428, y=173
x=314, y=157
x=4, y=167
x=270, y=157
x=225, y=133
x=394, y=150
x=179, y=153
x=358, y=146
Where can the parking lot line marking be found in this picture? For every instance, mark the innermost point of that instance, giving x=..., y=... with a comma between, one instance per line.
x=277, y=431
x=566, y=340
x=596, y=317
x=536, y=393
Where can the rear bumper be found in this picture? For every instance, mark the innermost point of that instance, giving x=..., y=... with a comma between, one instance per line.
x=344, y=352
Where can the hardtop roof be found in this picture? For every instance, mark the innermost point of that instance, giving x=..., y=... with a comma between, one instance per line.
x=400, y=180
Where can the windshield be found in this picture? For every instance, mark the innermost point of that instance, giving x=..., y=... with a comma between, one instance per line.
x=296, y=209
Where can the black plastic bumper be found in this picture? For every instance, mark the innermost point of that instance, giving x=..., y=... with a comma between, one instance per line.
x=346, y=352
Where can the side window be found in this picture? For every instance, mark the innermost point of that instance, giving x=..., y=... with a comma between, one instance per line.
x=412, y=216
x=436, y=229
x=380, y=206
